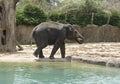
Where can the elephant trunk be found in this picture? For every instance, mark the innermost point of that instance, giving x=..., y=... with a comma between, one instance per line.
x=78, y=37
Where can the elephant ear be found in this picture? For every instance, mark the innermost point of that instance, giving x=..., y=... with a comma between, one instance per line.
x=68, y=27
x=69, y=31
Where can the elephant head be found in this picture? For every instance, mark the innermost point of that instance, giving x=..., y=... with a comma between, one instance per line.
x=73, y=34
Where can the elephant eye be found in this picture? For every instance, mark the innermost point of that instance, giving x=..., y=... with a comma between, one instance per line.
x=70, y=29
x=75, y=32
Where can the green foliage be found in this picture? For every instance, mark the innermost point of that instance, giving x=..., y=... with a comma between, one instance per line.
x=54, y=16
x=82, y=15
x=19, y=17
x=79, y=12
x=100, y=18
x=76, y=13
x=62, y=18
x=30, y=15
x=115, y=19
x=58, y=16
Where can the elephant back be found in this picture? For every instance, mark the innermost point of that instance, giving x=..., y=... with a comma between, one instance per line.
x=55, y=25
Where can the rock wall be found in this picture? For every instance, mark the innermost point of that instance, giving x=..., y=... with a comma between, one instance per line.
x=23, y=34
x=105, y=33
x=92, y=33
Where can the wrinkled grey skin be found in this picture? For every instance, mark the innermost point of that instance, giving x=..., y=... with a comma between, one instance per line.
x=53, y=33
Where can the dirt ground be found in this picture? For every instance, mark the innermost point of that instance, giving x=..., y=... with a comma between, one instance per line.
x=99, y=53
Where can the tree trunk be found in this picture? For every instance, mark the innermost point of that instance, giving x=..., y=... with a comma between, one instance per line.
x=7, y=25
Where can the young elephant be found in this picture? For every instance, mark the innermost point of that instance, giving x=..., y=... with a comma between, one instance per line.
x=53, y=33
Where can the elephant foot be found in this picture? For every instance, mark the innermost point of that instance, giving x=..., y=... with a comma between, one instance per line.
x=41, y=57
x=35, y=54
x=51, y=57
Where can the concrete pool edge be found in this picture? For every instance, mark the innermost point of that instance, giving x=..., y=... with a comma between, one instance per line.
x=108, y=62
x=13, y=59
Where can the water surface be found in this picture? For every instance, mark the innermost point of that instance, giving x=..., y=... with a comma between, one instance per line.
x=57, y=73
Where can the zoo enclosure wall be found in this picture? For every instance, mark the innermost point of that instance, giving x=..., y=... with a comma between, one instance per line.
x=92, y=33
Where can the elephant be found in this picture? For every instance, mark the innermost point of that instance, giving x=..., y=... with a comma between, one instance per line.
x=54, y=33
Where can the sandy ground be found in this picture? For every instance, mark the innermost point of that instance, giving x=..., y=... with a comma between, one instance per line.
x=97, y=53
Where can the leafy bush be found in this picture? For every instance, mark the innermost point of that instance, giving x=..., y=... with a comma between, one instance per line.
x=57, y=15
x=81, y=14
x=115, y=19
x=78, y=17
x=100, y=18
x=54, y=16
x=71, y=17
x=62, y=17
x=19, y=17
x=73, y=14
x=30, y=15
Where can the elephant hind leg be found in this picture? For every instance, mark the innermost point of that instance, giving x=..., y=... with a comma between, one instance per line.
x=38, y=51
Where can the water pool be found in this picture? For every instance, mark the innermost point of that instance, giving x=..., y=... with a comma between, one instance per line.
x=57, y=73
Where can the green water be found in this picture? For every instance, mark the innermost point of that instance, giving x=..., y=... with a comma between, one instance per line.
x=57, y=73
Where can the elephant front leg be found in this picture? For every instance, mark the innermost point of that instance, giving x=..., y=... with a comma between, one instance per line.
x=55, y=48
x=41, y=54
x=62, y=49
